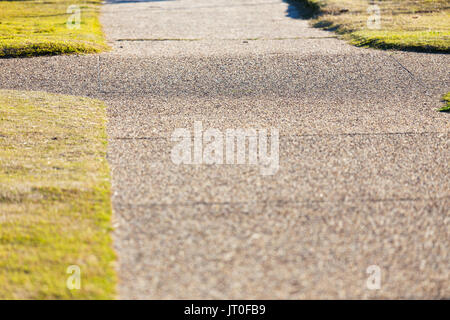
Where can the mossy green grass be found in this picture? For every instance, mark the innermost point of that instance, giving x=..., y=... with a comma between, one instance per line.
x=446, y=100
x=408, y=25
x=40, y=27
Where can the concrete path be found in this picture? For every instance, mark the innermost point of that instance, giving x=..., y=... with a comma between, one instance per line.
x=363, y=176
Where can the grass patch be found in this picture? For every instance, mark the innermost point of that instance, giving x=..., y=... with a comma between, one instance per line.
x=55, y=208
x=39, y=27
x=410, y=25
x=446, y=99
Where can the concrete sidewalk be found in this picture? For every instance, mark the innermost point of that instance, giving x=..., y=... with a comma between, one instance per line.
x=364, y=156
x=363, y=179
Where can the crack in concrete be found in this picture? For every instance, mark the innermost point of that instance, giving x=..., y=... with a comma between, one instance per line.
x=162, y=9
x=312, y=135
x=223, y=39
x=278, y=202
x=419, y=81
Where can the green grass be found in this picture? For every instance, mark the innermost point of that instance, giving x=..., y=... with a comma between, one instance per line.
x=39, y=27
x=410, y=25
x=446, y=99
x=55, y=208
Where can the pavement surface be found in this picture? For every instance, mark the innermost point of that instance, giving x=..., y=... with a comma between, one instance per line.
x=363, y=174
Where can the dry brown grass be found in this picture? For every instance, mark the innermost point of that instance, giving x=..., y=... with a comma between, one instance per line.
x=54, y=197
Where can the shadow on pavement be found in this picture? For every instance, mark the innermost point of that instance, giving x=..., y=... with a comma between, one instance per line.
x=298, y=10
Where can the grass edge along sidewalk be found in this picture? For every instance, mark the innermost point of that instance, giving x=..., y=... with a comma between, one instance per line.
x=55, y=207
x=50, y=27
x=421, y=26
x=446, y=100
